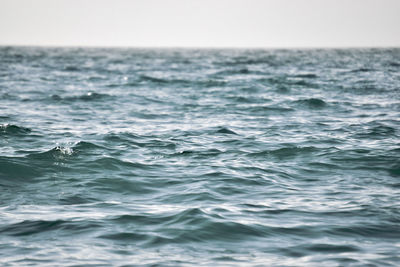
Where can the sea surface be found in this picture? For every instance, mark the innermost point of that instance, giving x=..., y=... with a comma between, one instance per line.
x=196, y=157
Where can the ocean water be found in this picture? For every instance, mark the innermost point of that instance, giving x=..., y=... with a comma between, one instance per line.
x=185, y=157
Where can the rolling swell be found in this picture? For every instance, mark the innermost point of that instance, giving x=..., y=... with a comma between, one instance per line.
x=199, y=157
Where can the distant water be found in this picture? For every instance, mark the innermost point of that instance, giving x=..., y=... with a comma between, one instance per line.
x=129, y=157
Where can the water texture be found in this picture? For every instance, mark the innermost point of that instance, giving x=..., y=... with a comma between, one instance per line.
x=168, y=157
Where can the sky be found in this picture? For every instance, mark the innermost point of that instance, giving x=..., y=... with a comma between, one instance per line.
x=201, y=23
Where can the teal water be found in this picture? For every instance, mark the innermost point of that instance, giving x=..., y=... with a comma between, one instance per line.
x=146, y=157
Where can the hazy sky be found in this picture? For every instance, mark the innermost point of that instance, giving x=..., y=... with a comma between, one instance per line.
x=210, y=23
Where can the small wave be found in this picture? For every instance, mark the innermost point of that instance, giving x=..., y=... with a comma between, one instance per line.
x=198, y=154
x=394, y=64
x=233, y=72
x=76, y=200
x=14, y=169
x=376, y=132
x=224, y=130
x=307, y=249
x=378, y=231
x=268, y=109
x=90, y=96
x=83, y=146
x=211, y=83
x=118, y=85
x=210, y=230
x=148, y=115
x=200, y=83
x=37, y=227
x=307, y=76
x=58, y=152
x=312, y=103
x=249, y=61
x=361, y=70
x=394, y=170
x=8, y=96
x=128, y=185
x=64, y=152
x=192, y=197
x=243, y=99
x=285, y=152
x=329, y=248
x=144, y=219
x=134, y=140
x=111, y=163
x=125, y=236
x=284, y=82
x=147, y=78
x=125, y=138
x=71, y=68
x=10, y=129
x=205, y=227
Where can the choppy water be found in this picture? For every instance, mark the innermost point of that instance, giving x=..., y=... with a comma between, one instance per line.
x=199, y=157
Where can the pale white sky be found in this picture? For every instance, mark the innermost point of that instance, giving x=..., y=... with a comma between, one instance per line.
x=201, y=23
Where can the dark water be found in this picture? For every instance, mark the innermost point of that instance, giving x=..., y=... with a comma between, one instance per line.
x=131, y=157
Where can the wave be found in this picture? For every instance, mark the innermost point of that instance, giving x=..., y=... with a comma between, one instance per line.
x=224, y=130
x=147, y=78
x=307, y=76
x=77, y=199
x=14, y=170
x=193, y=83
x=72, y=68
x=377, y=131
x=125, y=236
x=119, y=85
x=284, y=83
x=370, y=230
x=361, y=70
x=8, y=96
x=58, y=153
x=205, y=227
x=238, y=71
x=285, y=152
x=310, y=249
x=312, y=103
x=269, y=109
x=27, y=228
x=140, y=141
x=271, y=61
x=10, y=129
x=198, y=154
x=394, y=64
x=125, y=183
x=85, y=146
x=65, y=152
x=90, y=96
x=111, y=163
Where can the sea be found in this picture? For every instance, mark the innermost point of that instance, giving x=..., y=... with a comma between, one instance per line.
x=199, y=157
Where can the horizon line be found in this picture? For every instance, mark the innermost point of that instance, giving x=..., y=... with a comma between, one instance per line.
x=202, y=47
